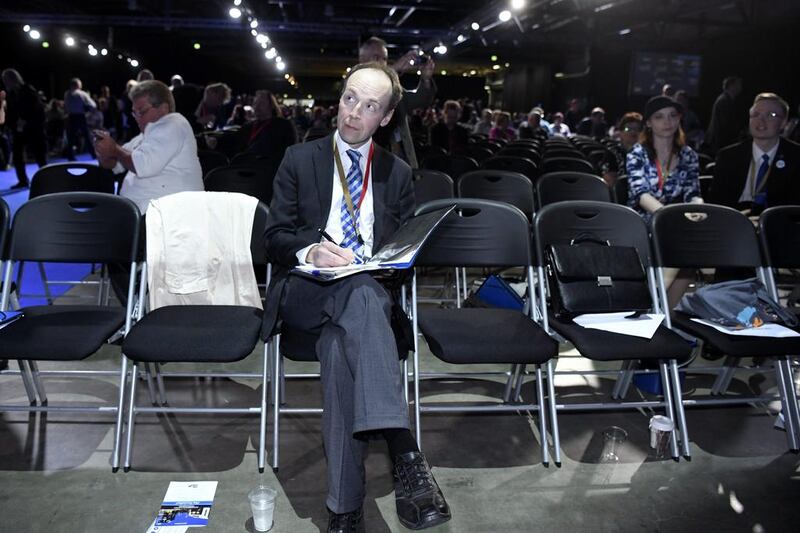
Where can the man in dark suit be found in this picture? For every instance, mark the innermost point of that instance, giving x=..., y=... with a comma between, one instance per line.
x=723, y=128
x=359, y=194
x=761, y=172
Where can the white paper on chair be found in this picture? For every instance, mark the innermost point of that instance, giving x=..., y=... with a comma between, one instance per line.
x=767, y=330
x=644, y=326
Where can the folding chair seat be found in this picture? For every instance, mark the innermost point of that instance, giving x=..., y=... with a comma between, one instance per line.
x=199, y=334
x=69, y=227
x=564, y=186
x=480, y=233
x=562, y=222
x=695, y=236
x=250, y=180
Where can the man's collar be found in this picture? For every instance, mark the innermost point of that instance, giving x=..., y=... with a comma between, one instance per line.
x=343, y=146
x=758, y=152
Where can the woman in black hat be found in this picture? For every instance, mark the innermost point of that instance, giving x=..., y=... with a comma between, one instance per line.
x=662, y=169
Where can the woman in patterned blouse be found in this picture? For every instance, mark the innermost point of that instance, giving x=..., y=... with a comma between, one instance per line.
x=662, y=169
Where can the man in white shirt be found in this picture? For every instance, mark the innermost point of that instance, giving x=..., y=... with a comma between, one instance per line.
x=162, y=159
x=763, y=171
x=345, y=189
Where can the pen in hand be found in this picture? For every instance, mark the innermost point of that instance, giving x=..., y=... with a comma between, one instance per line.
x=324, y=234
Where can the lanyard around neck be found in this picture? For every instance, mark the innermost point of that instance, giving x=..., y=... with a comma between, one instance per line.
x=662, y=177
x=346, y=191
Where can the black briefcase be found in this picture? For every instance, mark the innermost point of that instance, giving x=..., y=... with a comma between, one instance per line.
x=593, y=277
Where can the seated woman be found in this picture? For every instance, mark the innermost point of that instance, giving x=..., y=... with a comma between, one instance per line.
x=502, y=127
x=663, y=170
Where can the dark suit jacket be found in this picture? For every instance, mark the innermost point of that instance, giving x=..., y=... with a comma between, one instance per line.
x=733, y=166
x=301, y=202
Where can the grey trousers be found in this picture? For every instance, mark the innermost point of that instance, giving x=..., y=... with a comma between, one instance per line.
x=362, y=378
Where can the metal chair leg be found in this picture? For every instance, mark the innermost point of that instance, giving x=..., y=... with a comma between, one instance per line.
x=262, y=429
x=789, y=413
x=131, y=418
x=542, y=416
x=45, y=284
x=276, y=399
x=512, y=376
x=123, y=381
x=551, y=393
x=677, y=393
x=27, y=381
x=37, y=382
x=670, y=408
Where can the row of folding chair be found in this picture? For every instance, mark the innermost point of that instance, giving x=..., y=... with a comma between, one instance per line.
x=490, y=234
x=511, y=187
x=102, y=228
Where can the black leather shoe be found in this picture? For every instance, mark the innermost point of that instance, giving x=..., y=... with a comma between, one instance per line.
x=420, y=502
x=352, y=522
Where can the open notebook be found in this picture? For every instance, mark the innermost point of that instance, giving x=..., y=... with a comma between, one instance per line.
x=399, y=253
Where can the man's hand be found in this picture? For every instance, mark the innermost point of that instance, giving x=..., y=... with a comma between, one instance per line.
x=327, y=254
x=104, y=145
x=407, y=63
x=427, y=70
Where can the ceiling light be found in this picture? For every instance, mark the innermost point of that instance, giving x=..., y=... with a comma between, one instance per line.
x=237, y=2
x=235, y=12
x=460, y=38
x=280, y=65
x=444, y=73
x=441, y=49
x=271, y=53
x=26, y=28
x=286, y=76
x=196, y=46
x=34, y=34
x=134, y=63
x=419, y=73
x=493, y=58
x=624, y=31
x=262, y=38
x=278, y=59
x=309, y=96
x=504, y=16
x=103, y=52
x=92, y=51
x=45, y=44
x=495, y=67
x=517, y=4
x=475, y=26
x=69, y=41
x=254, y=24
x=473, y=72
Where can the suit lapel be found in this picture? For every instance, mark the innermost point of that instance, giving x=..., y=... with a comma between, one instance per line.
x=323, y=174
x=381, y=168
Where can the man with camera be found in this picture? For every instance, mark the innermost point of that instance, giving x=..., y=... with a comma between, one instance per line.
x=396, y=135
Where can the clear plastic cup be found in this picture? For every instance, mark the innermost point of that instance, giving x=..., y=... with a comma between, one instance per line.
x=661, y=429
x=262, y=504
x=613, y=437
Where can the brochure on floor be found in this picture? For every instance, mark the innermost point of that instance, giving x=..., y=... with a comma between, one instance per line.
x=186, y=504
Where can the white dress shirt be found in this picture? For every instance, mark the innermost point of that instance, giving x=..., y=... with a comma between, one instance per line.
x=747, y=193
x=366, y=215
x=165, y=158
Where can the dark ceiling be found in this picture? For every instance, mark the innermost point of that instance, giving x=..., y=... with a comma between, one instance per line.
x=319, y=38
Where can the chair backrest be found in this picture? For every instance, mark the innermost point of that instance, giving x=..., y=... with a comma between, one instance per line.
x=779, y=233
x=704, y=235
x=494, y=146
x=76, y=227
x=251, y=159
x=254, y=181
x=424, y=151
x=554, y=152
x=705, y=186
x=452, y=165
x=431, y=185
x=563, y=186
x=520, y=151
x=209, y=160
x=71, y=177
x=562, y=222
x=498, y=185
x=477, y=233
x=512, y=164
x=477, y=152
x=566, y=164
x=257, y=248
x=621, y=190
x=5, y=221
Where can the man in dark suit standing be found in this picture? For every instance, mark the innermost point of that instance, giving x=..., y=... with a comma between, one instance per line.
x=359, y=194
x=762, y=172
x=723, y=128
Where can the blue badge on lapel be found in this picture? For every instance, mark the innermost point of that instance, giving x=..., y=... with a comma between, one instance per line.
x=780, y=163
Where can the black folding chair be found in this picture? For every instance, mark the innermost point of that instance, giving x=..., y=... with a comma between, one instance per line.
x=480, y=233
x=553, y=153
x=566, y=164
x=251, y=180
x=705, y=186
x=209, y=160
x=452, y=165
x=431, y=185
x=564, y=186
x=521, y=151
x=779, y=235
x=501, y=186
x=476, y=152
x=512, y=164
x=69, y=227
x=697, y=236
x=563, y=222
x=199, y=334
x=621, y=190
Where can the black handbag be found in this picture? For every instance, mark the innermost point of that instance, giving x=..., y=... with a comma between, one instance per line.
x=590, y=276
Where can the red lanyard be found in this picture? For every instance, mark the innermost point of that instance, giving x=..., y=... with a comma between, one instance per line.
x=661, y=177
x=257, y=129
x=343, y=181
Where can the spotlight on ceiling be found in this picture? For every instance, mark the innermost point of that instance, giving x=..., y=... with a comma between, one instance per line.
x=504, y=16
x=69, y=41
x=235, y=12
